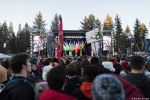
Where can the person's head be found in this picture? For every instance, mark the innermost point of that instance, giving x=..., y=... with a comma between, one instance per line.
x=55, y=60
x=104, y=58
x=67, y=62
x=71, y=69
x=90, y=72
x=56, y=78
x=94, y=60
x=107, y=87
x=84, y=57
x=6, y=64
x=19, y=62
x=47, y=61
x=137, y=63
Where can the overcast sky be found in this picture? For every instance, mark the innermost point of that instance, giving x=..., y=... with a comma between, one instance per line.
x=73, y=11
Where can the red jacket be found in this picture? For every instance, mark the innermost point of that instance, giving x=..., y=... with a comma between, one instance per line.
x=50, y=94
x=131, y=91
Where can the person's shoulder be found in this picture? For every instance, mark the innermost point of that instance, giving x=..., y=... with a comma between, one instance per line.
x=76, y=91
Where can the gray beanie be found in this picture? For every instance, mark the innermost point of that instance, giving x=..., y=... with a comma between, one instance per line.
x=107, y=87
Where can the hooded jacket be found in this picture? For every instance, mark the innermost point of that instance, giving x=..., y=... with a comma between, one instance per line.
x=84, y=92
x=131, y=91
x=140, y=81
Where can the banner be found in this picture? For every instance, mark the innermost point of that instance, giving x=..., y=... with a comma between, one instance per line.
x=93, y=36
x=60, y=40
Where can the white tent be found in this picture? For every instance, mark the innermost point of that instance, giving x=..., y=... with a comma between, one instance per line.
x=3, y=56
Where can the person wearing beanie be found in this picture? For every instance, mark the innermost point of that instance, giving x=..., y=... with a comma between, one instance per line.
x=107, y=87
x=47, y=68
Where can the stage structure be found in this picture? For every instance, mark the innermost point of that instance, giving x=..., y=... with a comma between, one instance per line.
x=74, y=42
x=37, y=42
x=102, y=42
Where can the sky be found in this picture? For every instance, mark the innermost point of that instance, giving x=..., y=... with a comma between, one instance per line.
x=74, y=11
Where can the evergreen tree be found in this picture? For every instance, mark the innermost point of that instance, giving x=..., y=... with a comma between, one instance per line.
x=23, y=39
x=27, y=37
x=19, y=29
x=6, y=37
x=18, y=40
x=11, y=41
x=90, y=23
x=119, y=36
x=1, y=39
x=137, y=36
x=12, y=44
x=55, y=23
x=27, y=27
x=84, y=24
x=10, y=30
x=107, y=25
x=144, y=33
x=126, y=33
x=39, y=24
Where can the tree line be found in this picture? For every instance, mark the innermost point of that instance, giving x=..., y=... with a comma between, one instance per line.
x=11, y=43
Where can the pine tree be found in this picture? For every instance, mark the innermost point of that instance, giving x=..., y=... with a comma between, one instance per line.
x=27, y=37
x=27, y=27
x=12, y=44
x=1, y=40
x=107, y=25
x=55, y=23
x=6, y=36
x=119, y=36
x=144, y=33
x=12, y=37
x=90, y=23
x=126, y=33
x=18, y=40
x=10, y=30
x=84, y=24
x=23, y=40
x=137, y=36
x=39, y=24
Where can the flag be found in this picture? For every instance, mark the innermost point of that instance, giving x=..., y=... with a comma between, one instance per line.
x=60, y=40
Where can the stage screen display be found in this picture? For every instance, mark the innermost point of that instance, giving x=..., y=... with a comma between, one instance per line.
x=106, y=43
x=37, y=43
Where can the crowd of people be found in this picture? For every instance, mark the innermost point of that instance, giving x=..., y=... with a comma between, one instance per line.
x=78, y=78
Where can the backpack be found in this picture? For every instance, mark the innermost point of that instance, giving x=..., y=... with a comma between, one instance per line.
x=12, y=84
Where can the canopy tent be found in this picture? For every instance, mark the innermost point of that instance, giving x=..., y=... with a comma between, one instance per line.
x=3, y=56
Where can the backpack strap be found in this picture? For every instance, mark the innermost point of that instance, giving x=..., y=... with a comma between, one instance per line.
x=19, y=81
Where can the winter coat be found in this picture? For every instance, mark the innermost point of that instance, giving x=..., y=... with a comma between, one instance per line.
x=72, y=84
x=84, y=92
x=21, y=91
x=50, y=94
x=131, y=91
x=140, y=81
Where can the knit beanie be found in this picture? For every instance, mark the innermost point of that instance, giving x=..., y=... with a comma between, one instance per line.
x=107, y=87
